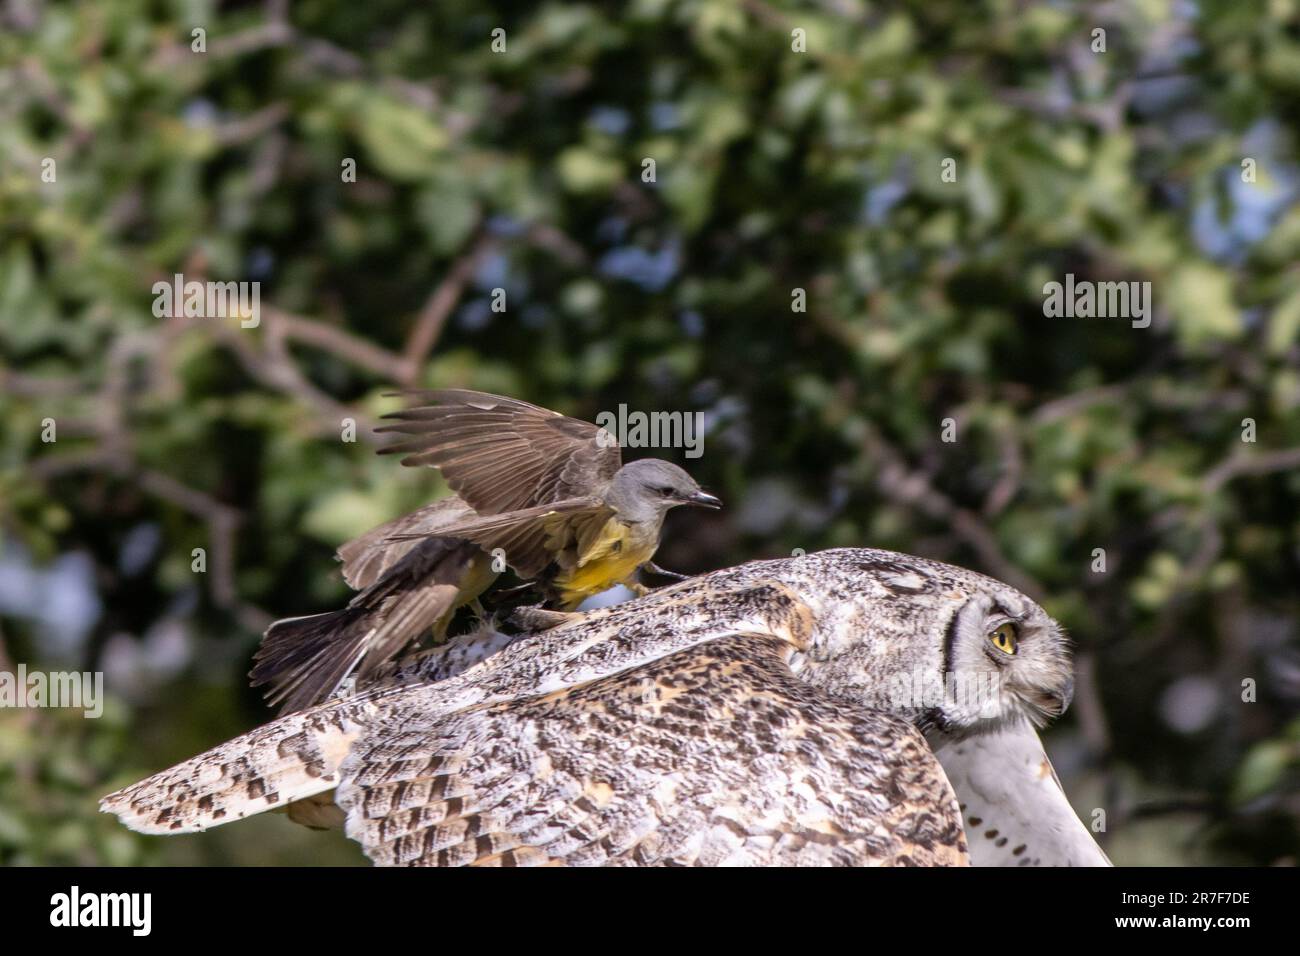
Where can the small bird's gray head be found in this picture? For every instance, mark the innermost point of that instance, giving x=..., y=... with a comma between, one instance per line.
x=948, y=648
x=644, y=490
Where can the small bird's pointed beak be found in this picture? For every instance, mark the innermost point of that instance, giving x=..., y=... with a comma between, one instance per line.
x=703, y=500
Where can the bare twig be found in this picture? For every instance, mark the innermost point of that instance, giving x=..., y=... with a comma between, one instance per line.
x=548, y=237
x=1013, y=470
x=908, y=487
x=1088, y=705
x=98, y=457
x=274, y=367
x=33, y=386
x=252, y=126
x=221, y=519
x=338, y=342
x=1239, y=464
x=1068, y=405
x=438, y=308
x=271, y=33
x=1242, y=463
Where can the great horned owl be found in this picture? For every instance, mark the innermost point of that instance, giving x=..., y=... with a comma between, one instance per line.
x=778, y=712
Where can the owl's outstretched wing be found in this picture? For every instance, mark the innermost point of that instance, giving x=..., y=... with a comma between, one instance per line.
x=715, y=754
x=1012, y=802
x=293, y=758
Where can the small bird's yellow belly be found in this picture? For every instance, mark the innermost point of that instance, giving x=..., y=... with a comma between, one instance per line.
x=612, y=559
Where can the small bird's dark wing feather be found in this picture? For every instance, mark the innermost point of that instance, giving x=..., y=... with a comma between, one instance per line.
x=532, y=537
x=303, y=660
x=501, y=454
x=367, y=558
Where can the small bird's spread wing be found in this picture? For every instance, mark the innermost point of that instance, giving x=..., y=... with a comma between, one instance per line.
x=533, y=538
x=1012, y=802
x=501, y=454
x=715, y=754
x=366, y=559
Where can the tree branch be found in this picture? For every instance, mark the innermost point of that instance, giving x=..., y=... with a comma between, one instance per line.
x=438, y=308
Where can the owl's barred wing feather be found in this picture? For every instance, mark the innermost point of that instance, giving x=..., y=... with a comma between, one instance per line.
x=1013, y=803
x=716, y=754
x=286, y=760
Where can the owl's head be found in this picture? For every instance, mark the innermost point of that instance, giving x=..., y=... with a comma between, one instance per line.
x=947, y=647
x=1001, y=654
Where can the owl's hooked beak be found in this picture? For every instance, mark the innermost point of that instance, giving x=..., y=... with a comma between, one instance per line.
x=1041, y=701
x=1051, y=703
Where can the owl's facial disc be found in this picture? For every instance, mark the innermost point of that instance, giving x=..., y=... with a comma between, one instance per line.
x=1004, y=655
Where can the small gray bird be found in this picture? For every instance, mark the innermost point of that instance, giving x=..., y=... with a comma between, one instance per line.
x=548, y=494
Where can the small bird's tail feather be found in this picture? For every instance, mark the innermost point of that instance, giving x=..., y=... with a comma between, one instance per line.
x=303, y=660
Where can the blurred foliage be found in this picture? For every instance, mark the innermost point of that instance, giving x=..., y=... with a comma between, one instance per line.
x=774, y=171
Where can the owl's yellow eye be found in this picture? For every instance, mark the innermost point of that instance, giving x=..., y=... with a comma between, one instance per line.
x=1004, y=638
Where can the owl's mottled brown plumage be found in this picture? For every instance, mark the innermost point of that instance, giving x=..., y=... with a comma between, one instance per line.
x=752, y=715
x=713, y=755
